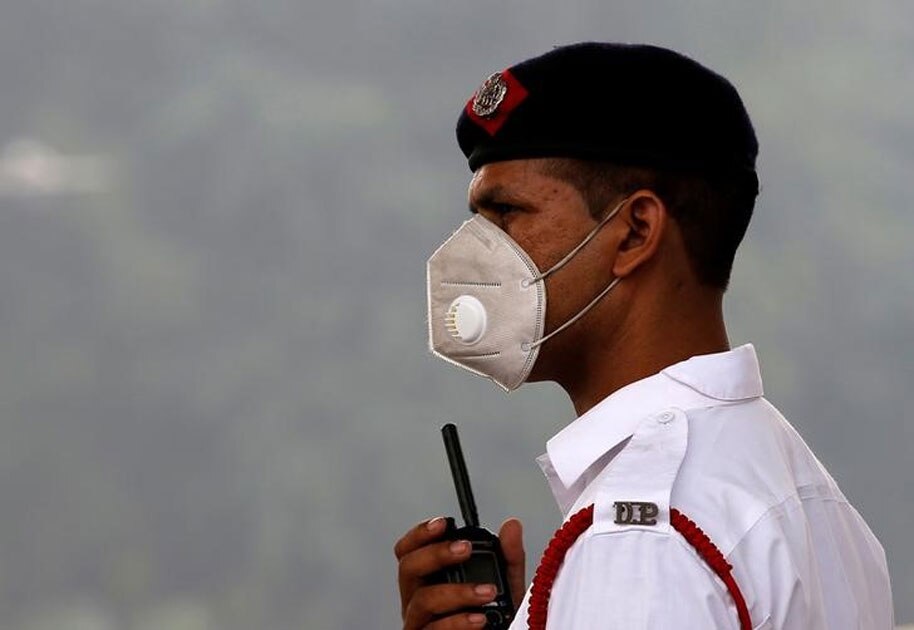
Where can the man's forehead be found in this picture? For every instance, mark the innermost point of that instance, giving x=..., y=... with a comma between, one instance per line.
x=509, y=177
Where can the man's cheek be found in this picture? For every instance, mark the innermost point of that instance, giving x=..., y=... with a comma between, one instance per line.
x=529, y=242
x=541, y=248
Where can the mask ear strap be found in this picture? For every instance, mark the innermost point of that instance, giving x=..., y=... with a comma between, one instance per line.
x=579, y=246
x=529, y=346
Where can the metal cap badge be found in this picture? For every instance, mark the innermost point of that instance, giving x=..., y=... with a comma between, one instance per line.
x=490, y=95
x=495, y=100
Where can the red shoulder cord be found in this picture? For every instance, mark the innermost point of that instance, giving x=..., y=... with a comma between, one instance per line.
x=577, y=524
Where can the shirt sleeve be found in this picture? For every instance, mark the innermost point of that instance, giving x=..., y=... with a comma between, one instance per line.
x=638, y=580
x=814, y=565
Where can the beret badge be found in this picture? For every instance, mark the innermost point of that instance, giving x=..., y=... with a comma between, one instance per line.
x=494, y=101
x=489, y=96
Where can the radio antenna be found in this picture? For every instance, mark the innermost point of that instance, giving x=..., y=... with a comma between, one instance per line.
x=460, y=475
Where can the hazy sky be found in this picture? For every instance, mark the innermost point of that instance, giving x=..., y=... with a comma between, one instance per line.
x=218, y=410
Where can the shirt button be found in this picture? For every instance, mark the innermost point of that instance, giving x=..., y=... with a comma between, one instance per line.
x=666, y=417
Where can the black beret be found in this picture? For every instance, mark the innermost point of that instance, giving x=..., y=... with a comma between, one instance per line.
x=635, y=105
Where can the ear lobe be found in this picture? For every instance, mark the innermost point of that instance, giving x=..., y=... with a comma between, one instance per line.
x=645, y=219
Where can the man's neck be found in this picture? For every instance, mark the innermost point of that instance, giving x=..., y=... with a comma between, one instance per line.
x=641, y=351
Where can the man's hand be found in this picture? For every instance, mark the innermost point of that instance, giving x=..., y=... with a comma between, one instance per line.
x=421, y=552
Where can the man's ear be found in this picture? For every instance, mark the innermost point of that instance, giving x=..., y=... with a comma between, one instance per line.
x=645, y=220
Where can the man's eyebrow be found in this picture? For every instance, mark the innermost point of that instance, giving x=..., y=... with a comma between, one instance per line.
x=493, y=196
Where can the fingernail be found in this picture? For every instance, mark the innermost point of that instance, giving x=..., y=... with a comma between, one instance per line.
x=485, y=590
x=435, y=524
x=460, y=546
x=476, y=619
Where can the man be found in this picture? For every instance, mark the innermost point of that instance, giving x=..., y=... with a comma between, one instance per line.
x=618, y=181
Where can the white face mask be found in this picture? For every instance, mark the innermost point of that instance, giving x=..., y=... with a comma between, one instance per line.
x=487, y=301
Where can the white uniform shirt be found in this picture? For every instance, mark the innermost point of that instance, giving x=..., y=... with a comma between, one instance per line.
x=699, y=437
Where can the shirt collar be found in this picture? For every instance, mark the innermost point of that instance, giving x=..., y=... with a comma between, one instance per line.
x=728, y=376
x=696, y=382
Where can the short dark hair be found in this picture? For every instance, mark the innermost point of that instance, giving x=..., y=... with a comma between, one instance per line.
x=712, y=212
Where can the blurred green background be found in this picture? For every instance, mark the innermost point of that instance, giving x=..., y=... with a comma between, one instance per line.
x=216, y=406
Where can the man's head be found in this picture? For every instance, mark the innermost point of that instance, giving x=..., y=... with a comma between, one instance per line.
x=558, y=141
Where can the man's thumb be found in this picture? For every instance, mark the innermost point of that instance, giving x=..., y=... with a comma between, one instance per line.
x=511, y=536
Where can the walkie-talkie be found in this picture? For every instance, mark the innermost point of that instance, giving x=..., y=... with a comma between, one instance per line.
x=487, y=562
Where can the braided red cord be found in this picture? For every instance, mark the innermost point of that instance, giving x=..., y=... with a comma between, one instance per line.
x=566, y=536
x=549, y=566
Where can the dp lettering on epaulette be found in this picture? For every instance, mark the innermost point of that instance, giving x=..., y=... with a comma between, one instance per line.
x=636, y=513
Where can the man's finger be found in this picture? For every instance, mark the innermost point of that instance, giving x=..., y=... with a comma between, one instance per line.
x=434, y=557
x=419, y=536
x=430, y=602
x=419, y=563
x=511, y=536
x=459, y=622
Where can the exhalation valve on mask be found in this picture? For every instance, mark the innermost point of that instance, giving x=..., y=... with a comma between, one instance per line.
x=487, y=301
x=466, y=319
